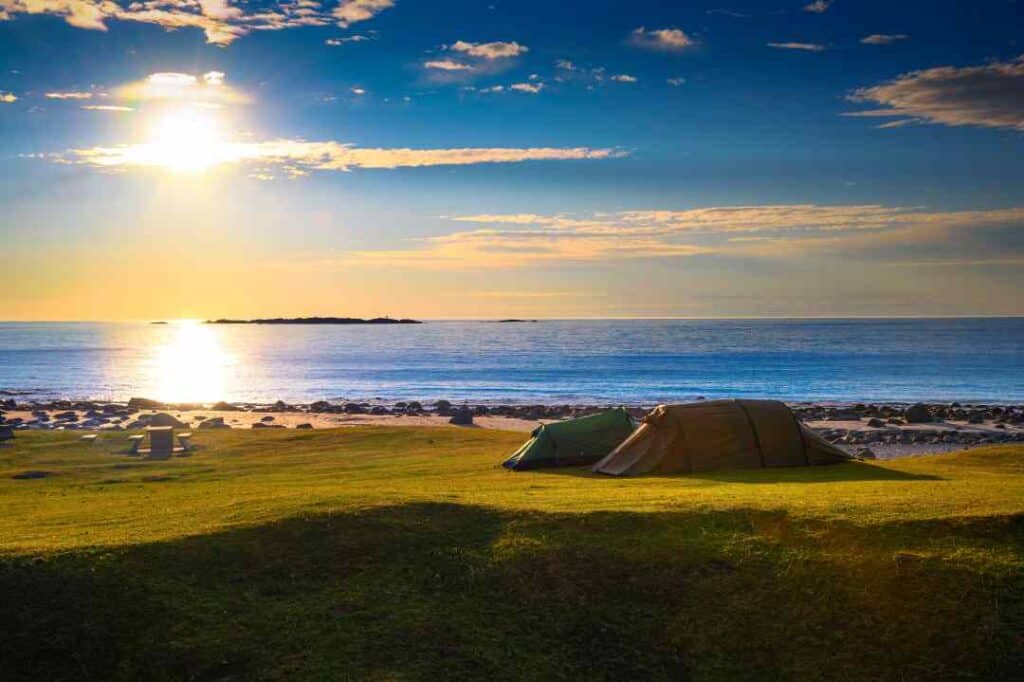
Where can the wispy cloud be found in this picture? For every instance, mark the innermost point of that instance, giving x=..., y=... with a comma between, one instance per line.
x=68, y=95
x=806, y=47
x=296, y=157
x=988, y=96
x=447, y=65
x=675, y=82
x=209, y=87
x=664, y=39
x=531, y=88
x=338, y=42
x=623, y=78
x=818, y=6
x=221, y=22
x=8, y=97
x=107, y=107
x=883, y=38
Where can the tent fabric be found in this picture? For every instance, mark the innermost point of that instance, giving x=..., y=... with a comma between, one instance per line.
x=718, y=434
x=572, y=442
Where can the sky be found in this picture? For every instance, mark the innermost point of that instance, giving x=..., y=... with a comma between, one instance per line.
x=208, y=158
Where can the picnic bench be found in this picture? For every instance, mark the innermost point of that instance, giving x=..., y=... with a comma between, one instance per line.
x=161, y=443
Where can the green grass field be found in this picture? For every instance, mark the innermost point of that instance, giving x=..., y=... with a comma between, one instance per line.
x=408, y=554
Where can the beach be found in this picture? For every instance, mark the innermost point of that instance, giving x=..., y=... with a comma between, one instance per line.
x=884, y=430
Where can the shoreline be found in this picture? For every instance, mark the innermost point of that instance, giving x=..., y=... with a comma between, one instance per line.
x=886, y=430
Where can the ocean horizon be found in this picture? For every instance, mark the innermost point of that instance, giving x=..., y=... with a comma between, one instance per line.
x=552, y=361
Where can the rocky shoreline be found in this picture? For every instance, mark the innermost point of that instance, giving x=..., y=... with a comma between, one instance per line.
x=881, y=429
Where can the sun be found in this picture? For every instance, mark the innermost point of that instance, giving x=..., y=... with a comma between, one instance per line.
x=187, y=140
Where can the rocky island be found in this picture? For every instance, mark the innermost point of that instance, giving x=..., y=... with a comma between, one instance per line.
x=318, y=320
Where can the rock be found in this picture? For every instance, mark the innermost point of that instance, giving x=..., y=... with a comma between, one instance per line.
x=66, y=416
x=224, y=407
x=462, y=417
x=917, y=414
x=261, y=425
x=268, y=418
x=866, y=453
x=145, y=404
x=876, y=423
x=304, y=425
x=162, y=419
x=355, y=408
x=214, y=423
x=379, y=409
x=414, y=406
x=976, y=418
x=320, y=406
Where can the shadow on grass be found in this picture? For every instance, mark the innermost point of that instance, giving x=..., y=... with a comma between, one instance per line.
x=433, y=591
x=832, y=473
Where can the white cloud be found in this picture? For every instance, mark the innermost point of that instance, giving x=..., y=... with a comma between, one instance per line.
x=349, y=12
x=883, y=38
x=300, y=156
x=68, y=95
x=447, y=65
x=807, y=47
x=106, y=107
x=675, y=82
x=206, y=89
x=8, y=97
x=818, y=6
x=624, y=78
x=221, y=21
x=565, y=65
x=665, y=39
x=358, y=91
x=494, y=50
x=988, y=96
x=532, y=88
x=337, y=42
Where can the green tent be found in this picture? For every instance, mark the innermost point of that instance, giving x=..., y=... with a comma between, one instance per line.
x=576, y=441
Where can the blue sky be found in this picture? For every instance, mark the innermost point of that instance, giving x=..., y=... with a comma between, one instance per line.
x=552, y=159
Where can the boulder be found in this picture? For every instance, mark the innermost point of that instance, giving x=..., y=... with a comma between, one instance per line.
x=261, y=425
x=144, y=404
x=214, y=423
x=320, y=406
x=224, y=407
x=268, y=418
x=876, y=423
x=304, y=425
x=162, y=419
x=918, y=414
x=462, y=417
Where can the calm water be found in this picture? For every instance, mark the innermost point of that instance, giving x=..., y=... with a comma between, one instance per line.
x=637, y=361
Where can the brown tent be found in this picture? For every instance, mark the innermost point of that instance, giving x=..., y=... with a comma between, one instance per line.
x=718, y=434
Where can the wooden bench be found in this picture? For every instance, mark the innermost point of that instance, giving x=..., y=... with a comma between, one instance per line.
x=136, y=442
x=186, y=441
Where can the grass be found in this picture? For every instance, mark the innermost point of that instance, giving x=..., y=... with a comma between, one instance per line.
x=407, y=554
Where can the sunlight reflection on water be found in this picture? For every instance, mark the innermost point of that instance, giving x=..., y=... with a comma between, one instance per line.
x=192, y=366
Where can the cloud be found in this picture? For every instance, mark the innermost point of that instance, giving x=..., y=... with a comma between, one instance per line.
x=107, y=107
x=358, y=91
x=494, y=50
x=221, y=21
x=664, y=39
x=565, y=65
x=298, y=157
x=349, y=12
x=532, y=88
x=68, y=95
x=624, y=78
x=337, y=42
x=8, y=97
x=883, y=38
x=807, y=47
x=675, y=82
x=818, y=6
x=447, y=65
x=989, y=96
x=208, y=88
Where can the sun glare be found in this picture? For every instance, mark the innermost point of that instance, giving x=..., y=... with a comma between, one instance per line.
x=192, y=366
x=186, y=140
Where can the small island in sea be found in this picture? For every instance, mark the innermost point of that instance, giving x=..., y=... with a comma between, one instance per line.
x=318, y=320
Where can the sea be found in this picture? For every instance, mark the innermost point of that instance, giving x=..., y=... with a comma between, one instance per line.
x=632, y=362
